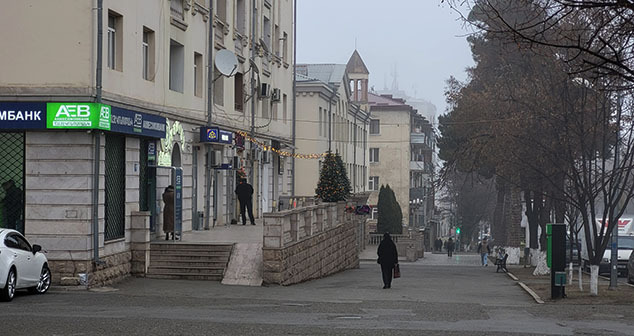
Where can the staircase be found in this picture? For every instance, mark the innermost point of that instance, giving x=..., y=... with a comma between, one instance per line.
x=173, y=260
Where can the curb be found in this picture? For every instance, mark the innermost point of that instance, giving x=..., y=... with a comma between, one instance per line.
x=512, y=276
x=531, y=292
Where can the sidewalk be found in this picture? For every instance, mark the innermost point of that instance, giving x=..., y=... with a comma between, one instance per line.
x=224, y=234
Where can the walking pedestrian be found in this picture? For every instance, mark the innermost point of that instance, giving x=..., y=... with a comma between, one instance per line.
x=245, y=196
x=484, y=249
x=450, y=247
x=388, y=257
x=168, y=212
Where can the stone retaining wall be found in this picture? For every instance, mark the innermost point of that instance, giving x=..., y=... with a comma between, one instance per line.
x=310, y=243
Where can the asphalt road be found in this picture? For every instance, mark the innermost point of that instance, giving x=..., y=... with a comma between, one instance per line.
x=435, y=296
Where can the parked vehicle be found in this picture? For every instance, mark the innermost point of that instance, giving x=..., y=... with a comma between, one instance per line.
x=22, y=266
x=625, y=248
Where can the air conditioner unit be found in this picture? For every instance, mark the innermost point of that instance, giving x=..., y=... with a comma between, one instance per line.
x=276, y=96
x=265, y=90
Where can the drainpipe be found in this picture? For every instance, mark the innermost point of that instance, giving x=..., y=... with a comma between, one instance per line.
x=354, y=154
x=294, y=94
x=97, y=137
x=253, y=84
x=210, y=105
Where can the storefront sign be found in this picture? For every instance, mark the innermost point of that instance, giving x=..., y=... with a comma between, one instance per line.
x=22, y=115
x=131, y=122
x=151, y=152
x=215, y=135
x=77, y=115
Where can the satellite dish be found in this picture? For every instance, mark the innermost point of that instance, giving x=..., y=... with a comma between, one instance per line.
x=226, y=62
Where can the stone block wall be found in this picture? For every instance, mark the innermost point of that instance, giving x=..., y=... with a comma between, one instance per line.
x=333, y=249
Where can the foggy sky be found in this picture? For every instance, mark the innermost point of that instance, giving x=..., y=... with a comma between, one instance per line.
x=423, y=38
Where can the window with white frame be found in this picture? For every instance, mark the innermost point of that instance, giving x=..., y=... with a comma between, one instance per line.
x=148, y=54
x=375, y=126
x=115, y=41
x=177, y=66
x=373, y=183
x=374, y=155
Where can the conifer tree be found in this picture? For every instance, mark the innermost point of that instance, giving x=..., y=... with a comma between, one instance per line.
x=333, y=183
x=390, y=215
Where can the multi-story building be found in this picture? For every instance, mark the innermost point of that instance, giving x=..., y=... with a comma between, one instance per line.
x=421, y=195
x=332, y=116
x=103, y=109
x=389, y=149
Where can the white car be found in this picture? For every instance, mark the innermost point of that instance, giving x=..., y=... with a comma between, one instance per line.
x=22, y=266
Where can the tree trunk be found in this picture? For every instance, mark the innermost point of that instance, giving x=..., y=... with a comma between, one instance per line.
x=594, y=280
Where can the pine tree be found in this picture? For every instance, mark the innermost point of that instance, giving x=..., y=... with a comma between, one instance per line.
x=390, y=215
x=333, y=183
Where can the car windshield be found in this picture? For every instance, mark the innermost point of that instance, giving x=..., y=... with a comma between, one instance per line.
x=626, y=243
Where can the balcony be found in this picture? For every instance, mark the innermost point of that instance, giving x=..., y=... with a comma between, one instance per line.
x=420, y=166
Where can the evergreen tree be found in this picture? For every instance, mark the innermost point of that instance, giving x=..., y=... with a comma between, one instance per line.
x=390, y=215
x=333, y=183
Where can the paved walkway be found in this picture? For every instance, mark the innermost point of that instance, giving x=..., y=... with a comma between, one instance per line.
x=225, y=234
x=427, y=300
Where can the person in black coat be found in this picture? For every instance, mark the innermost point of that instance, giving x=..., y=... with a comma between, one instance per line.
x=245, y=196
x=450, y=247
x=388, y=257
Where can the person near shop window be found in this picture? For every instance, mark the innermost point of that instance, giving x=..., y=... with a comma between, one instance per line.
x=12, y=206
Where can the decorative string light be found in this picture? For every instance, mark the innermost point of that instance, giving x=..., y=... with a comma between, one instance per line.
x=278, y=151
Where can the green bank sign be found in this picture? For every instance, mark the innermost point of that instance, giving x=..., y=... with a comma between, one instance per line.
x=78, y=115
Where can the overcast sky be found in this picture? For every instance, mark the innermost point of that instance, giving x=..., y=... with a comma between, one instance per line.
x=423, y=38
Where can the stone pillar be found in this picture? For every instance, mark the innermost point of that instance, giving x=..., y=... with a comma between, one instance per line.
x=140, y=242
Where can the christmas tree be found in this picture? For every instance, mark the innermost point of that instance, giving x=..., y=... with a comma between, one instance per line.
x=333, y=183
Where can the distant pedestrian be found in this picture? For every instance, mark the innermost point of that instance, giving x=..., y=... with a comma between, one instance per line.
x=484, y=249
x=245, y=196
x=450, y=247
x=388, y=257
x=168, y=212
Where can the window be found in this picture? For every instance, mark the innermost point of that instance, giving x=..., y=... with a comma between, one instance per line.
x=115, y=41
x=277, y=41
x=221, y=10
x=148, y=54
x=266, y=33
x=375, y=126
x=374, y=155
x=373, y=183
x=219, y=88
x=285, y=105
x=321, y=121
x=285, y=46
x=240, y=17
x=238, y=92
x=177, y=66
x=198, y=75
x=176, y=8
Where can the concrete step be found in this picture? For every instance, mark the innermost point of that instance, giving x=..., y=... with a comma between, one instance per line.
x=183, y=257
x=186, y=270
x=188, y=263
x=199, y=253
x=177, y=276
x=190, y=247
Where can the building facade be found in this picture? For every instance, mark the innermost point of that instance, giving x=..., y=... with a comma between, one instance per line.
x=389, y=149
x=332, y=116
x=102, y=110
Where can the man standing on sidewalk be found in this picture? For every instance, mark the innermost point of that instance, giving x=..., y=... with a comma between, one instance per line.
x=484, y=249
x=245, y=195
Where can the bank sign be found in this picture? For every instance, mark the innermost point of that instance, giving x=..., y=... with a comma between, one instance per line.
x=77, y=115
x=24, y=115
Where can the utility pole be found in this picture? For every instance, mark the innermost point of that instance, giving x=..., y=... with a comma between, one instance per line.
x=253, y=92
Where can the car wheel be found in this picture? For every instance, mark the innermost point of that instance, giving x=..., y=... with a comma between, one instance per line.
x=8, y=291
x=44, y=283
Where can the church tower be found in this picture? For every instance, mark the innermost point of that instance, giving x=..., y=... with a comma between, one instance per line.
x=358, y=75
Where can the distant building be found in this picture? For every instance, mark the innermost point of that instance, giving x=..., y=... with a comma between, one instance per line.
x=332, y=115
